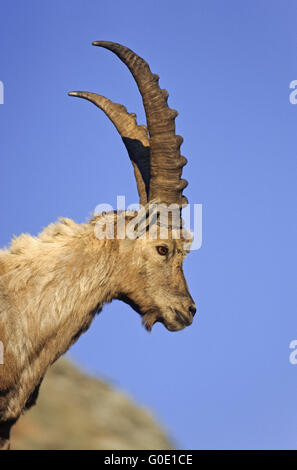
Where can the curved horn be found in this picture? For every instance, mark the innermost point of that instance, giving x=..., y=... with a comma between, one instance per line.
x=134, y=137
x=166, y=162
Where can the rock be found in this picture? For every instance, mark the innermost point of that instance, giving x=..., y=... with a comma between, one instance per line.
x=76, y=411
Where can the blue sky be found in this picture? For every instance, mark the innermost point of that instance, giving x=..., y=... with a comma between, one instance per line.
x=226, y=382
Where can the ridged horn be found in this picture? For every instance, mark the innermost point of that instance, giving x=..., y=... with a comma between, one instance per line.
x=166, y=161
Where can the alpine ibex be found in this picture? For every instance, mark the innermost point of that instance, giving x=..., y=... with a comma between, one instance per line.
x=51, y=286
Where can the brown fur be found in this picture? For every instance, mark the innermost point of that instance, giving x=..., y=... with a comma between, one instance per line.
x=52, y=285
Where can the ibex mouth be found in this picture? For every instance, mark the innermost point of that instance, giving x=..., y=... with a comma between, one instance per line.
x=185, y=320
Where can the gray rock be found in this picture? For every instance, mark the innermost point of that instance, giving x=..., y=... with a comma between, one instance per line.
x=75, y=411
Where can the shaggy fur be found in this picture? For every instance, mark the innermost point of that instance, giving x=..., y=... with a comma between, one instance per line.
x=52, y=285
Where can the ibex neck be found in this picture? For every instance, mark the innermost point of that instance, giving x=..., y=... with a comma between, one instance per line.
x=51, y=288
x=60, y=280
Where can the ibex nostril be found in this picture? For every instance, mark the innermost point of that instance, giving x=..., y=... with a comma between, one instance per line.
x=192, y=309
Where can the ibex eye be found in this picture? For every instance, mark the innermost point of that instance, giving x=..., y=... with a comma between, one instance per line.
x=162, y=250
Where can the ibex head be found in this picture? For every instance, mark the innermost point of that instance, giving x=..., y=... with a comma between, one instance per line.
x=154, y=285
x=158, y=290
